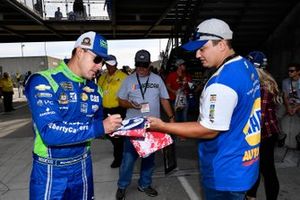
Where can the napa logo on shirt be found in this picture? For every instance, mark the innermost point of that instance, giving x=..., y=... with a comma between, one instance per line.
x=252, y=134
x=253, y=126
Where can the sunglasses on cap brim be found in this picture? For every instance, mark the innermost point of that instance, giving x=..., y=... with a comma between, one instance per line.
x=198, y=35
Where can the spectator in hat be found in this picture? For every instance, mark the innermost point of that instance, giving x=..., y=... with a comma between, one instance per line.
x=66, y=107
x=270, y=100
x=228, y=125
x=178, y=80
x=110, y=83
x=141, y=94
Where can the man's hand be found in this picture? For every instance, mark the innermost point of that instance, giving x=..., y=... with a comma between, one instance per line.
x=155, y=123
x=112, y=123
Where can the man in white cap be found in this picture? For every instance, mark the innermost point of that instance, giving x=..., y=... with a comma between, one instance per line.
x=229, y=119
x=66, y=107
x=110, y=83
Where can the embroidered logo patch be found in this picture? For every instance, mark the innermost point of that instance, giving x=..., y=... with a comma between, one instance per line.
x=86, y=41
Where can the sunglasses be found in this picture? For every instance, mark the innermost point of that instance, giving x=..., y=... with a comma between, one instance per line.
x=292, y=70
x=97, y=59
x=197, y=35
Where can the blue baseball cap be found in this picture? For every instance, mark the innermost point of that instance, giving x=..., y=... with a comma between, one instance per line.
x=211, y=29
x=94, y=42
x=258, y=59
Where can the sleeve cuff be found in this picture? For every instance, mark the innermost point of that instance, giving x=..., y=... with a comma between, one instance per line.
x=213, y=127
x=98, y=128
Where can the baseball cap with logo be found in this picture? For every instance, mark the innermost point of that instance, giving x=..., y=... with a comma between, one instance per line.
x=211, y=29
x=111, y=60
x=142, y=56
x=94, y=42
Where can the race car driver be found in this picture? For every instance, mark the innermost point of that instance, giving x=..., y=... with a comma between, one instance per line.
x=66, y=108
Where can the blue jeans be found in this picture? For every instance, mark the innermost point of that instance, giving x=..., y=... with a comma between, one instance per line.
x=212, y=194
x=126, y=169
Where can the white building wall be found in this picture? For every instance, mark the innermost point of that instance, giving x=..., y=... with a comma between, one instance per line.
x=21, y=65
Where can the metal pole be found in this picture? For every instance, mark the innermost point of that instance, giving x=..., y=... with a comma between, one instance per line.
x=89, y=9
x=22, y=52
x=45, y=48
x=46, y=59
x=22, y=46
x=67, y=10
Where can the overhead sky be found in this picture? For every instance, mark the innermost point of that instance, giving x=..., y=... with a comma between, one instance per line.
x=124, y=50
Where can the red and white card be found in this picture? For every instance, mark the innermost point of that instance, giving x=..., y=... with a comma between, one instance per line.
x=152, y=142
x=143, y=141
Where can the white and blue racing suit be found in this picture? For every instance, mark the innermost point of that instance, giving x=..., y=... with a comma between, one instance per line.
x=67, y=115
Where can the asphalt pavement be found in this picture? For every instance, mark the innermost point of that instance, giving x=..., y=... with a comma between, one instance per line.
x=16, y=140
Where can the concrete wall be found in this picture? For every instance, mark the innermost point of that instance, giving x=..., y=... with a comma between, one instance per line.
x=21, y=65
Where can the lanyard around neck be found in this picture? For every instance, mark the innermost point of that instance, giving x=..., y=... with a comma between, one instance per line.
x=143, y=92
x=228, y=58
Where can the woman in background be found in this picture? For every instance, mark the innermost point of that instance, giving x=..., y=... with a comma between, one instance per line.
x=270, y=99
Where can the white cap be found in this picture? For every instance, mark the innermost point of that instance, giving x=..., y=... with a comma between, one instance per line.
x=214, y=28
x=94, y=42
x=111, y=60
x=211, y=29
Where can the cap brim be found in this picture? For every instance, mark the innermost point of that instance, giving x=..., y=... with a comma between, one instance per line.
x=104, y=56
x=111, y=62
x=194, y=45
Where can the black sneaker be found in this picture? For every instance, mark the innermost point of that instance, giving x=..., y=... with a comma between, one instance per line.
x=148, y=190
x=120, y=195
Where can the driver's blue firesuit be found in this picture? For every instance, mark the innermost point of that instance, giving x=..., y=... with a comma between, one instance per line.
x=67, y=115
